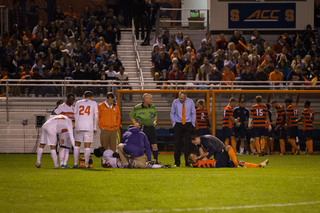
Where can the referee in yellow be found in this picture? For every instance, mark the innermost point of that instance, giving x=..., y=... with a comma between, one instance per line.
x=146, y=116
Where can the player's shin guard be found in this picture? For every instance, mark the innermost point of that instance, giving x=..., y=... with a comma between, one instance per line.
x=309, y=145
x=251, y=165
x=234, y=144
x=251, y=147
x=155, y=154
x=226, y=142
x=282, y=146
x=293, y=144
x=233, y=157
x=54, y=158
x=76, y=154
x=257, y=142
x=263, y=143
x=66, y=156
x=86, y=156
x=61, y=156
x=39, y=154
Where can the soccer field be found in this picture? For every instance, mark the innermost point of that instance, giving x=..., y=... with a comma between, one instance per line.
x=287, y=184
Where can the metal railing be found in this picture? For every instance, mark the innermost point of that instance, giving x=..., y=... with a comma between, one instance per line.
x=138, y=60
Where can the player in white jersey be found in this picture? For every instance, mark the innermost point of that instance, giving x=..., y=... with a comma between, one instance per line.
x=66, y=109
x=111, y=159
x=86, y=119
x=50, y=129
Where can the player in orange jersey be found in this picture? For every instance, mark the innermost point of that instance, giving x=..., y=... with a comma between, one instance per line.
x=258, y=120
x=280, y=130
x=202, y=120
x=227, y=123
x=307, y=117
x=292, y=124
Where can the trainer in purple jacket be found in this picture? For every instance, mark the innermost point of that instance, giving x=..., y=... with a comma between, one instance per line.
x=134, y=144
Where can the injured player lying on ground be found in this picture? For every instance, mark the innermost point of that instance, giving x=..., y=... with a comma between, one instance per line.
x=111, y=159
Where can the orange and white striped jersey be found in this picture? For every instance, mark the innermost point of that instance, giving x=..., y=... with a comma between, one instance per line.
x=308, y=117
x=292, y=115
x=86, y=115
x=227, y=112
x=210, y=163
x=65, y=109
x=281, y=116
x=202, y=118
x=259, y=113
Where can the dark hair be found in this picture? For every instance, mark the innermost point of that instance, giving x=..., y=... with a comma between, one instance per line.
x=110, y=95
x=98, y=152
x=193, y=137
x=88, y=94
x=232, y=99
x=307, y=103
x=70, y=95
x=268, y=106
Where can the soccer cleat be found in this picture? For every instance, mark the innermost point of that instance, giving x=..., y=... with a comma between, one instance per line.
x=297, y=152
x=62, y=167
x=264, y=163
x=176, y=165
x=166, y=166
x=56, y=166
x=75, y=167
x=66, y=166
x=38, y=165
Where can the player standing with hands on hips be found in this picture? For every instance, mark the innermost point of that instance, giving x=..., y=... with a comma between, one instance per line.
x=86, y=117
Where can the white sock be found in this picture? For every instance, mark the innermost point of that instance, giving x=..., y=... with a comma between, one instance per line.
x=66, y=156
x=76, y=154
x=61, y=156
x=39, y=154
x=86, y=156
x=241, y=150
x=54, y=158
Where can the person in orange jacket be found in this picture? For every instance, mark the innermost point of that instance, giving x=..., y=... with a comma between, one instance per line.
x=227, y=74
x=109, y=122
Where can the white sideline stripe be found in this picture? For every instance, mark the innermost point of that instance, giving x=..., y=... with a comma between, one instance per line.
x=219, y=208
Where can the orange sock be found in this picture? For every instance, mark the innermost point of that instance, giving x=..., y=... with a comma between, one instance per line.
x=226, y=142
x=251, y=147
x=234, y=144
x=263, y=143
x=251, y=165
x=282, y=146
x=271, y=145
x=233, y=157
x=258, y=146
x=293, y=144
x=309, y=144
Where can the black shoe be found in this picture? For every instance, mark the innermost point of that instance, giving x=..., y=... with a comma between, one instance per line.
x=142, y=44
x=176, y=165
x=146, y=44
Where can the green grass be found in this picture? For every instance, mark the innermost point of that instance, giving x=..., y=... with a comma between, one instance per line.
x=288, y=180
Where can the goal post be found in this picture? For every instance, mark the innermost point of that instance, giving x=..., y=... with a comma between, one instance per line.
x=220, y=99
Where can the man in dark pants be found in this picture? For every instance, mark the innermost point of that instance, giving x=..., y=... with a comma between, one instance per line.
x=151, y=11
x=147, y=117
x=242, y=114
x=139, y=8
x=183, y=118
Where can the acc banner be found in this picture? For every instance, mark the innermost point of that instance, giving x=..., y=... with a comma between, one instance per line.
x=262, y=15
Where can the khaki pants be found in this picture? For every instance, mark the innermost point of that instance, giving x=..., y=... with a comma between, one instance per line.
x=139, y=162
x=108, y=139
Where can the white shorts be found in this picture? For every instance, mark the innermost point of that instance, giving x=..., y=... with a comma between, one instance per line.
x=84, y=136
x=65, y=140
x=48, y=138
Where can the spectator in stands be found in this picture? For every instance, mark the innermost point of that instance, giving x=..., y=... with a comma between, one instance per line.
x=276, y=75
x=176, y=62
x=284, y=69
x=300, y=50
x=85, y=16
x=39, y=28
x=240, y=67
x=105, y=56
x=222, y=42
x=151, y=11
x=231, y=61
x=206, y=65
x=285, y=52
x=187, y=43
x=179, y=38
x=314, y=51
x=236, y=37
x=139, y=8
x=89, y=73
x=39, y=66
x=296, y=75
x=160, y=61
x=175, y=73
x=260, y=75
x=165, y=38
x=115, y=61
x=101, y=46
x=189, y=53
x=91, y=24
x=177, y=48
x=278, y=45
x=202, y=75
x=227, y=74
x=99, y=13
x=203, y=47
x=16, y=16
x=216, y=60
x=247, y=75
x=159, y=42
x=308, y=37
x=189, y=73
x=111, y=73
x=112, y=20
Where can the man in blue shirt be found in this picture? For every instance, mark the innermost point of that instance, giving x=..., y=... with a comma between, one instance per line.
x=183, y=118
x=133, y=145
